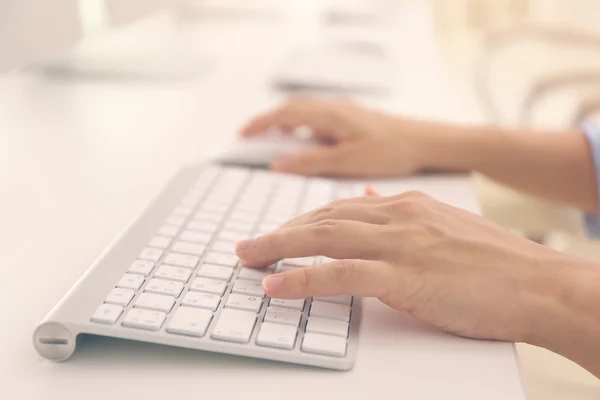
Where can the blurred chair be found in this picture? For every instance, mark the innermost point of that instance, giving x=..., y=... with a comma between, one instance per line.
x=562, y=90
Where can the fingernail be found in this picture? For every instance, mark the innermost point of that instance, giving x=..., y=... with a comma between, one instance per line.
x=281, y=163
x=245, y=244
x=272, y=283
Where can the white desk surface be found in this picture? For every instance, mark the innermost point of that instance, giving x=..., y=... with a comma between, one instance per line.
x=80, y=160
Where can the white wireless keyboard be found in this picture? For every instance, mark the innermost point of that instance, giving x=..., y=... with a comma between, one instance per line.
x=173, y=277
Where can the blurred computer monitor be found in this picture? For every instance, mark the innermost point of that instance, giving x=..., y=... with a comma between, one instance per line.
x=33, y=29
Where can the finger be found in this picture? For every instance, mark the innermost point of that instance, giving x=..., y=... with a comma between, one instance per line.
x=321, y=117
x=353, y=277
x=331, y=238
x=360, y=212
x=336, y=160
x=369, y=191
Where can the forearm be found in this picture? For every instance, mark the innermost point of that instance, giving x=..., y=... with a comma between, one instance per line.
x=565, y=313
x=555, y=166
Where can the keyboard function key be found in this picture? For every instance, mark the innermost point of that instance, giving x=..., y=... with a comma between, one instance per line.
x=144, y=319
x=208, y=285
x=161, y=286
x=327, y=326
x=201, y=300
x=324, y=344
x=294, y=304
x=190, y=322
x=283, y=316
x=155, y=302
x=120, y=297
x=276, y=335
x=151, y=254
x=142, y=267
x=330, y=310
x=107, y=314
x=171, y=273
x=243, y=302
x=216, y=272
x=234, y=326
x=131, y=281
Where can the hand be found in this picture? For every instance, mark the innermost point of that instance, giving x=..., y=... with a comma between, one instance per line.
x=443, y=265
x=359, y=142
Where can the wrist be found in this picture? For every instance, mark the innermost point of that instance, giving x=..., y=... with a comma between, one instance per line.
x=458, y=148
x=562, y=311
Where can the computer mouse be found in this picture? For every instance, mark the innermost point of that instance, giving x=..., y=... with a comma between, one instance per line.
x=260, y=150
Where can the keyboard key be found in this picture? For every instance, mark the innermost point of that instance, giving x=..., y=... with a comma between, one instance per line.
x=175, y=221
x=178, y=274
x=327, y=345
x=161, y=286
x=253, y=274
x=327, y=326
x=120, y=297
x=131, y=281
x=294, y=304
x=189, y=248
x=330, y=310
x=203, y=226
x=216, y=272
x=214, y=207
x=161, y=242
x=195, y=237
x=283, y=316
x=201, y=300
x=207, y=285
x=229, y=260
x=341, y=299
x=300, y=262
x=208, y=217
x=243, y=302
x=276, y=335
x=223, y=246
x=181, y=260
x=239, y=226
x=248, y=287
x=155, y=302
x=243, y=216
x=151, y=254
x=144, y=319
x=142, y=267
x=232, y=236
x=107, y=314
x=234, y=326
x=190, y=322
x=286, y=268
x=168, y=230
